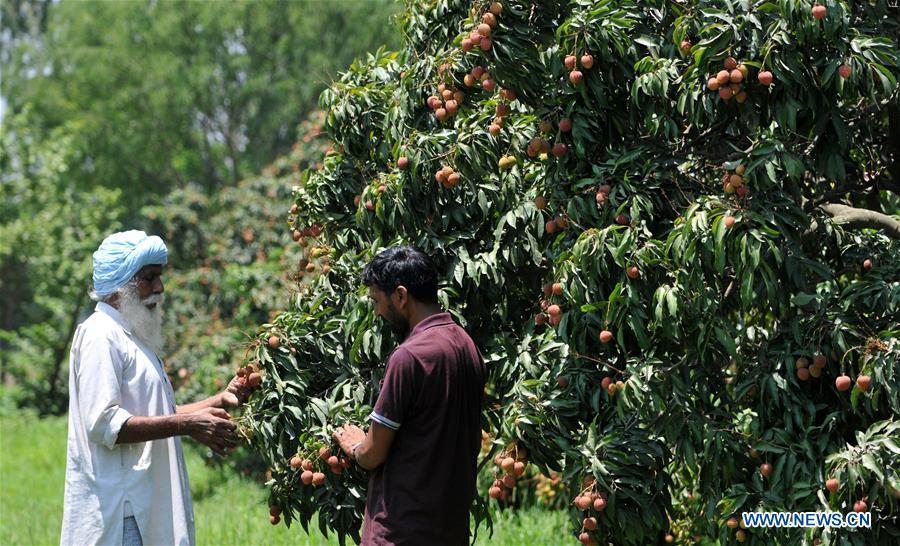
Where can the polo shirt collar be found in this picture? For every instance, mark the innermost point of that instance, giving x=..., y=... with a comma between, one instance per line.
x=114, y=314
x=442, y=318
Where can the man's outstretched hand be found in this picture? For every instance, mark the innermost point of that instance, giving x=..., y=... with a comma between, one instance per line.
x=348, y=436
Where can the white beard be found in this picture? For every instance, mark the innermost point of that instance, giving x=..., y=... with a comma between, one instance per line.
x=145, y=322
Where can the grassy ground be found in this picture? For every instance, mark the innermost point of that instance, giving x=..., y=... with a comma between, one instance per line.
x=228, y=509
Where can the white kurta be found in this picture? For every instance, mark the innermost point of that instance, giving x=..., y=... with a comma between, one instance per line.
x=112, y=376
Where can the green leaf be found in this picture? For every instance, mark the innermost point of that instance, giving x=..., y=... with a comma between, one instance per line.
x=726, y=341
x=869, y=462
x=800, y=299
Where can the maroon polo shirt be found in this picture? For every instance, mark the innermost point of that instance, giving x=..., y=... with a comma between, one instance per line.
x=432, y=396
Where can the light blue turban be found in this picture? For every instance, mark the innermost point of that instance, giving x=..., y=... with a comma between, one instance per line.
x=122, y=255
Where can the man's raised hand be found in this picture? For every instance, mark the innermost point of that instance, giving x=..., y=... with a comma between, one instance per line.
x=348, y=436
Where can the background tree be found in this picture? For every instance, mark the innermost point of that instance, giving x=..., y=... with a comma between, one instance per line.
x=171, y=93
x=48, y=231
x=231, y=265
x=671, y=229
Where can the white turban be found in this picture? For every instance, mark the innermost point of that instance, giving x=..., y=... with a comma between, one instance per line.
x=122, y=255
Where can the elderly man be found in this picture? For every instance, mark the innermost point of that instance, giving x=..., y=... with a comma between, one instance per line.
x=126, y=481
x=422, y=445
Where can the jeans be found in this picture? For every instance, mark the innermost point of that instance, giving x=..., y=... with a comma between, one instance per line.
x=131, y=536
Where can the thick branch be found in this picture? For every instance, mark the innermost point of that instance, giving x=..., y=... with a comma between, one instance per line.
x=855, y=218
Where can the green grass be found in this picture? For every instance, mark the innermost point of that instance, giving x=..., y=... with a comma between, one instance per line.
x=228, y=509
x=32, y=478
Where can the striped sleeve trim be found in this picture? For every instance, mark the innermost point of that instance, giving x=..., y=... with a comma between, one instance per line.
x=393, y=425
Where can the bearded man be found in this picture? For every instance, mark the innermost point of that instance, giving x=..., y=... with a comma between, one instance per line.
x=126, y=481
x=425, y=431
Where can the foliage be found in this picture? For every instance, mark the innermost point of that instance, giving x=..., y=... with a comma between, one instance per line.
x=230, y=265
x=188, y=92
x=730, y=287
x=48, y=231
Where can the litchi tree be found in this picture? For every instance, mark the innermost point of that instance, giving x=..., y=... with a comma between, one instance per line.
x=672, y=230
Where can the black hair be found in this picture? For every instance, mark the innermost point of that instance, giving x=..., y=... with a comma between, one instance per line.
x=407, y=266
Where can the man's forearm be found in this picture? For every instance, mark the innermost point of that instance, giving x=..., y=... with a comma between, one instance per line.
x=145, y=429
x=362, y=454
x=211, y=402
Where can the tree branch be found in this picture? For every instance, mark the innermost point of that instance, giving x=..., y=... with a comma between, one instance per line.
x=855, y=218
x=716, y=127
